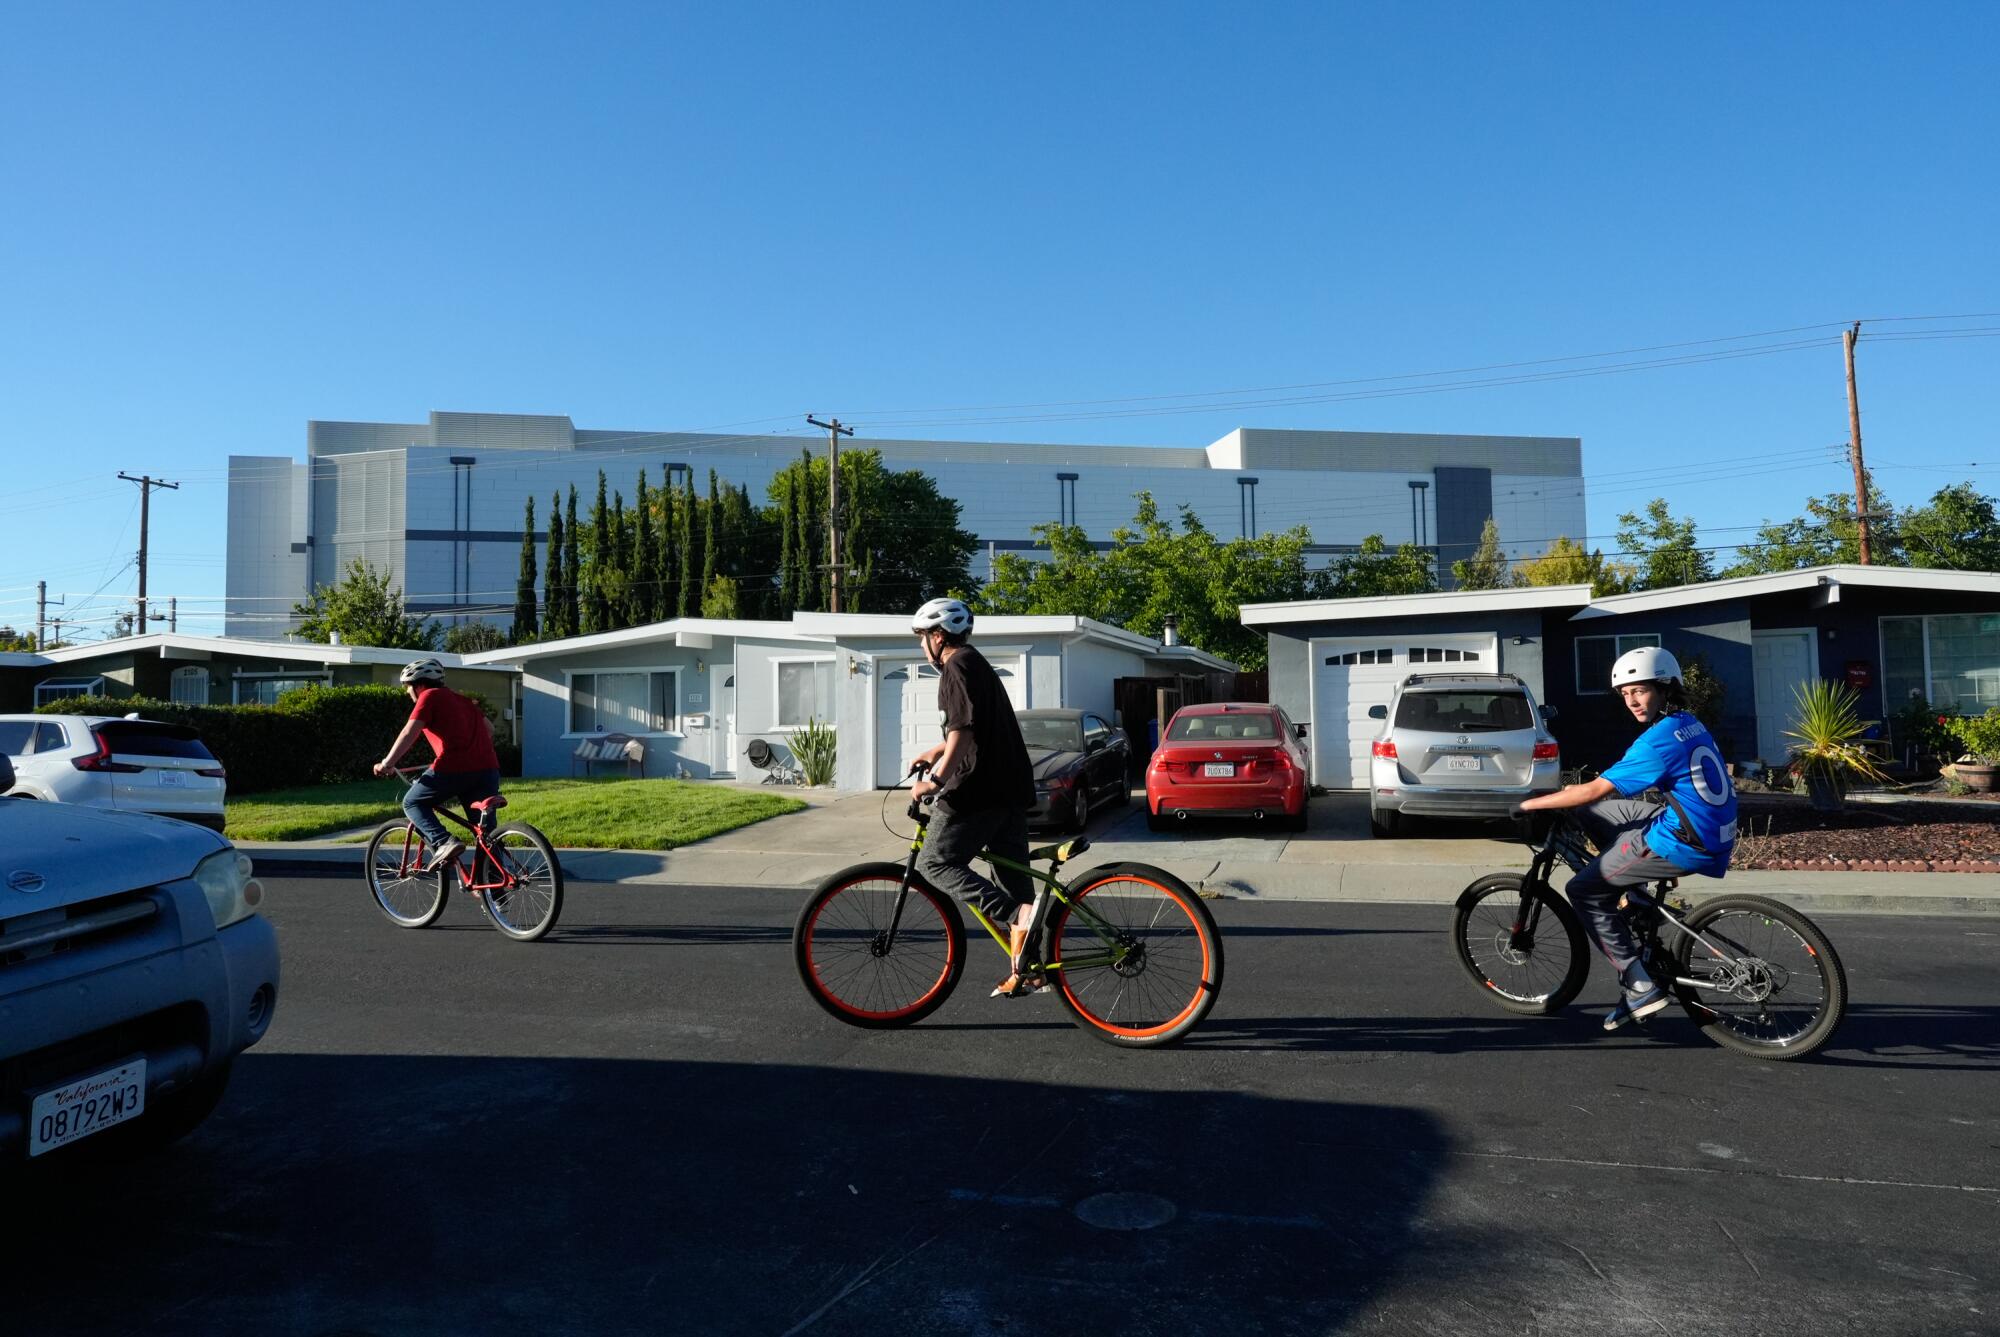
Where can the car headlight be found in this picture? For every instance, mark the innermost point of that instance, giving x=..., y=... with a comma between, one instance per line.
x=232, y=893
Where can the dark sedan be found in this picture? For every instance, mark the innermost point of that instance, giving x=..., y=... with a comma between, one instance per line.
x=1081, y=762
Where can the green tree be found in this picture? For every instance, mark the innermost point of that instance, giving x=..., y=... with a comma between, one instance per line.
x=1825, y=534
x=645, y=558
x=720, y=598
x=469, y=638
x=1663, y=546
x=688, y=520
x=1486, y=568
x=1567, y=563
x=1955, y=530
x=901, y=541
x=524, y=582
x=1375, y=569
x=572, y=568
x=666, y=502
x=708, y=518
x=554, y=623
x=11, y=639
x=363, y=609
x=596, y=565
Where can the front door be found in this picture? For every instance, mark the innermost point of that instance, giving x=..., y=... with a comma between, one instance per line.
x=1781, y=660
x=722, y=726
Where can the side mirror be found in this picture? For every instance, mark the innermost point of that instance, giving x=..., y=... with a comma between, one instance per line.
x=1548, y=712
x=1378, y=712
x=1299, y=732
x=1093, y=745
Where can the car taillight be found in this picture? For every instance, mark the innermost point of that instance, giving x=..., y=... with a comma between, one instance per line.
x=1547, y=752
x=1282, y=759
x=1383, y=748
x=213, y=772
x=101, y=759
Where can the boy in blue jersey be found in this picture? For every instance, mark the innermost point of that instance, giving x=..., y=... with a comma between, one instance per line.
x=1691, y=828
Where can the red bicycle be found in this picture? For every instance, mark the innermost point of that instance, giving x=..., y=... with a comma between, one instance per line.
x=512, y=871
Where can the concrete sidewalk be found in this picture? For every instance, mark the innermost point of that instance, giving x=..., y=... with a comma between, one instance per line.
x=1334, y=860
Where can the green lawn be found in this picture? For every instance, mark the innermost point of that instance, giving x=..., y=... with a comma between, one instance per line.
x=597, y=814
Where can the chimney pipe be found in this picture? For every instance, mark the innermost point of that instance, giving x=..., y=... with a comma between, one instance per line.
x=1170, y=630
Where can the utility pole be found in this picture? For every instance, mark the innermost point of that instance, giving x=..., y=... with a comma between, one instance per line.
x=146, y=485
x=834, y=431
x=1854, y=447
x=41, y=611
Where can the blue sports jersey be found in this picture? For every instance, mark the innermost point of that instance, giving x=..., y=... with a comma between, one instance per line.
x=1677, y=755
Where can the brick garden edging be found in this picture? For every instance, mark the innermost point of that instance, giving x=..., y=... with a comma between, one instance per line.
x=1878, y=866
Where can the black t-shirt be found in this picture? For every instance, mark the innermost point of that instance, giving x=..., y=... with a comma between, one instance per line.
x=992, y=769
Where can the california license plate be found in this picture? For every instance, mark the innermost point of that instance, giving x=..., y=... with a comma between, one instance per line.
x=1461, y=763
x=173, y=779
x=63, y=1114
x=1224, y=770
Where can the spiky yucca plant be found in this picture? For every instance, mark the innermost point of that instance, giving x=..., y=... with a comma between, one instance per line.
x=1829, y=733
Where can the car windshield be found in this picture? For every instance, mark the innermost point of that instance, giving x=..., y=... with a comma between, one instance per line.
x=1464, y=711
x=137, y=739
x=1230, y=727
x=1055, y=734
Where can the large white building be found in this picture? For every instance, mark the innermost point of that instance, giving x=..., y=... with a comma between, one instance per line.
x=439, y=503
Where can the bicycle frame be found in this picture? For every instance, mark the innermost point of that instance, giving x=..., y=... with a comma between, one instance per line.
x=481, y=852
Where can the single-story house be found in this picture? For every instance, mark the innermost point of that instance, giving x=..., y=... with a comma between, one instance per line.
x=229, y=670
x=698, y=691
x=1891, y=632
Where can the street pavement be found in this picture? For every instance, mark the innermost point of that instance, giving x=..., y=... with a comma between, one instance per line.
x=1335, y=859
x=642, y=1125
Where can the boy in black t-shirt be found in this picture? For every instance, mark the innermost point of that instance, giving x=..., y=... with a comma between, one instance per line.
x=983, y=782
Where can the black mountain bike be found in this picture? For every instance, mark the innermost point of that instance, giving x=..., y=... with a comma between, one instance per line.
x=1755, y=975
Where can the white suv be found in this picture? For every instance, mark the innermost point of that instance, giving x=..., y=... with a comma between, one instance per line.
x=1459, y=745
x=131, y=764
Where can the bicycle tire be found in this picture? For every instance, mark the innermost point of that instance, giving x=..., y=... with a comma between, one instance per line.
x=1530, y=982
x=1736, y=1025
x=838, y=937
x=526, y=911
x=1180, y=952
x=409, y=899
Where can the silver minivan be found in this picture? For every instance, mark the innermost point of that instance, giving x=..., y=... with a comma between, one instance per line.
x=1467, y=745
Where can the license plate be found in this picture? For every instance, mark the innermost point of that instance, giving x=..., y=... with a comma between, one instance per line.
x=1219, y=769
x=172, y=779
x=1461, y=763
x=62, y=1114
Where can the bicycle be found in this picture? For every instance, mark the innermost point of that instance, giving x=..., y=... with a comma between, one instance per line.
x=1130, y=949
x=1755, y=976
x=523, y=898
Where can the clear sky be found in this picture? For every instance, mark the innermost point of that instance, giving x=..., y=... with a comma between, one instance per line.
x=219, y=221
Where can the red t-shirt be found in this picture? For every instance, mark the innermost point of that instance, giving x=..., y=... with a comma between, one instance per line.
x=456, y=730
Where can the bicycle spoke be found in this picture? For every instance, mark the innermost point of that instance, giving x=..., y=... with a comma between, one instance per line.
x=1156, y=971
x=853, y=966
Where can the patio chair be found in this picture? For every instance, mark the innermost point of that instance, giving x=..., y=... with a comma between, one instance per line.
x=777, y=770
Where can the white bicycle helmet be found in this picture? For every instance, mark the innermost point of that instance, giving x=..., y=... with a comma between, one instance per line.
x=949, y=615
x=421, y=670
x=1648, y=663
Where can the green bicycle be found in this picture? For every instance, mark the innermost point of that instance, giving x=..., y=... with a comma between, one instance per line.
x=1130, y=949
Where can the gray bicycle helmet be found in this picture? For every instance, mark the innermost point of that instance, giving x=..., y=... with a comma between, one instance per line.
x=421, y=670
x=949, y=615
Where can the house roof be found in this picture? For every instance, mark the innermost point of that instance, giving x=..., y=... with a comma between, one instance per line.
x=167, y=644
x=1415, y=605
x=653, y=633
x=1827, y=578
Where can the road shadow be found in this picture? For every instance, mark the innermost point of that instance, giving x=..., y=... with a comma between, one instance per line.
x=371, y=1194
x=1904, y=1035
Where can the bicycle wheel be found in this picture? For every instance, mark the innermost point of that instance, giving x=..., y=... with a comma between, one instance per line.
x=527, y=905
x=1135, y=955
x=1778, y=993
x=411, y=898
x=1502, y=936
x=849, y=965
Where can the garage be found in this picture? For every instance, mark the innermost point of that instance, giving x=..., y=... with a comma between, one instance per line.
x=1350, y=674
x=907, y=718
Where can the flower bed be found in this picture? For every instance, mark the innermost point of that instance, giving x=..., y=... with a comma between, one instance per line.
x=1782, y=832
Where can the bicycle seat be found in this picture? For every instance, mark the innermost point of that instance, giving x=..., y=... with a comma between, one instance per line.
x=487, y=804
x=1069, y=849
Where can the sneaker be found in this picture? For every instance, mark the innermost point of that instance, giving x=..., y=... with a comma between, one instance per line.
x=1641, y=1002
x=445, y=855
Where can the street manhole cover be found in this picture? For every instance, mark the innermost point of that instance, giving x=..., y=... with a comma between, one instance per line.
x=1125, y=1211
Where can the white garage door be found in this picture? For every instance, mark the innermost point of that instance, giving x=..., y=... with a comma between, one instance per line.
x=907, y=718
x=1351, y=674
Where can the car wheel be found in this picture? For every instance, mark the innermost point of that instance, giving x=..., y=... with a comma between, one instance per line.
x=1080, y=814
x=1384, y=824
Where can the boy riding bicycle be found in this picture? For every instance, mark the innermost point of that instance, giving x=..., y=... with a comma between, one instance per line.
x=464, y=765
x=1690, y=828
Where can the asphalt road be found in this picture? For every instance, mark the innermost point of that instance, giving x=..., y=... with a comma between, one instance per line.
x=643, y=1125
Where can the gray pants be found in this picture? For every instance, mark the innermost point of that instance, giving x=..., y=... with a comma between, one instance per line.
x=1616, y=826
x=955, y=839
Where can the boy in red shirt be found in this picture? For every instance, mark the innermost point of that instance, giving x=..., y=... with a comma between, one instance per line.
x=464, y=765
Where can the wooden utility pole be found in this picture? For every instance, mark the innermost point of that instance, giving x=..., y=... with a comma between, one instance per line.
x=834, y=431
x=146, y=486
x=1854, y=447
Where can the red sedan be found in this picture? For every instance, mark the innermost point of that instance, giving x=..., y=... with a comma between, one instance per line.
x=1228, y=759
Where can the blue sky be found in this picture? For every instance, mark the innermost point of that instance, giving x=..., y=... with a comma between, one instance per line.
x=221, y=221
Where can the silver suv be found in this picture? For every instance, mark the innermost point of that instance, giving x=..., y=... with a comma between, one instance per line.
x=1458, y=745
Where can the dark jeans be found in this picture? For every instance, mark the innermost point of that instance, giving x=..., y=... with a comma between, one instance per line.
x=955, y=839
x=1617, y=827
x=431, y=789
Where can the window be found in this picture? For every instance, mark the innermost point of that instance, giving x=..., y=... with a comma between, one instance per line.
x=805, y=692
x=1095, y=730
x=1352, y=657
x=1464, y=712
x=14, y=736
x=57, y=689
x=1057, y=733
x=1596, y=654
x=1953, y=661
x=1432, y=654
x=631, y=701
x=190, y=686
x=49, y=737
x=264, y=689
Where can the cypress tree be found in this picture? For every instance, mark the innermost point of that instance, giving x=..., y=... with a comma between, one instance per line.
x=787, y=580
x=596, y=614
x=524, y=583
x=572, y=569
x=690, y=564
x=618, y=595
x=645, y=559
x=805, y=545
x=552, y=579
x=708, y=537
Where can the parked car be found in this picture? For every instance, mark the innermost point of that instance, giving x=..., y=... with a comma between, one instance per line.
x=1081, y=760
x=1228, y=759
x=134, y=968
x=131, y=764
x=1458, y=745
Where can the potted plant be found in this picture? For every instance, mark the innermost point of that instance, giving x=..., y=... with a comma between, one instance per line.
x=1979, y=735
x=1829, y=731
